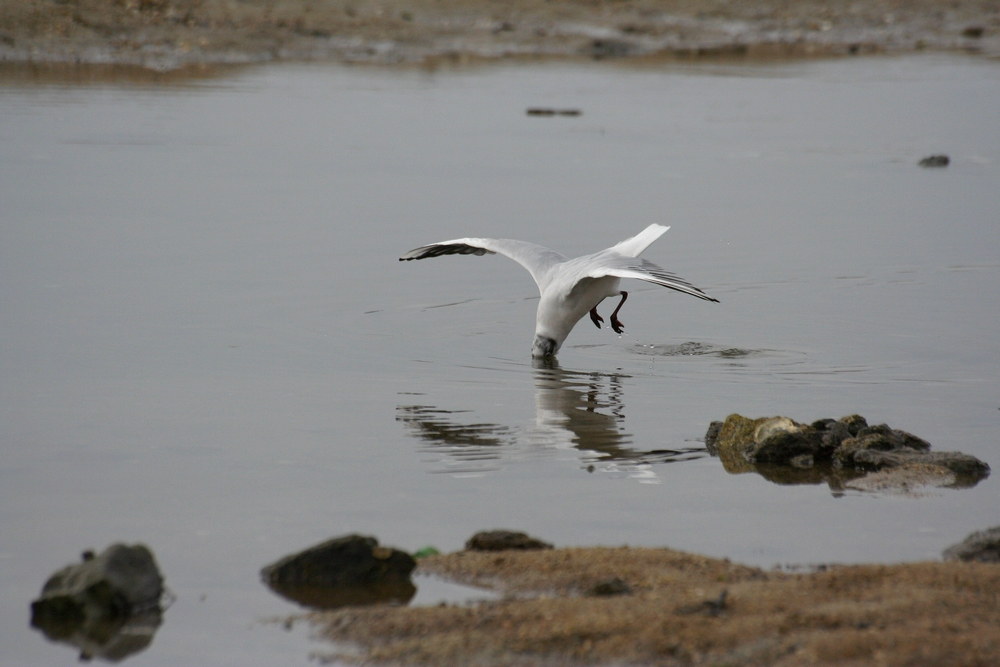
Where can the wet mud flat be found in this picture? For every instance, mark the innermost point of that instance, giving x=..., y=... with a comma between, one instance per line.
x=648, y=606
x=171, y=34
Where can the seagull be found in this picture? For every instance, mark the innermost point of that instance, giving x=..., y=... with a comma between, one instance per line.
x=570, y=288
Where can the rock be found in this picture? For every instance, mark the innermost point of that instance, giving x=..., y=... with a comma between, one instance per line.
x=967, y=468
x=504, y=540
x=982, y=546
x=609, y=588
x=349, y=570
x=344, y=561
x=739, y=441
x=108, y=605
x=907, y=480
x=711, y=437
x=122, y=580
x=935, y=161
x=832, y=433
x=781, y=440
x=854, y=423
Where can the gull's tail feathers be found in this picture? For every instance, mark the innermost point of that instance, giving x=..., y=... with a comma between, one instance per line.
x=634, y=246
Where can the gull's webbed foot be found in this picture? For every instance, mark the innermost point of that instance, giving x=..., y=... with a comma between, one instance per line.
x=616, y=324
x=595, y=318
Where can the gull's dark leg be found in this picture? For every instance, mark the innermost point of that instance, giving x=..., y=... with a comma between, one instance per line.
x=595, y=318
x=615, y=322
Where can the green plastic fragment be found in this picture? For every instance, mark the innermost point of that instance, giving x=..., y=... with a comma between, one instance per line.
x=425, y=552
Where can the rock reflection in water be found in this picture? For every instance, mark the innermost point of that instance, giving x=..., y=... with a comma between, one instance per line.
x=335, y=597
x=108, y=639
x=574, y=410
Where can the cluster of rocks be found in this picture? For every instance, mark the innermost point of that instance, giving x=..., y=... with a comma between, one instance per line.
x=844, y=452
x=110, y=605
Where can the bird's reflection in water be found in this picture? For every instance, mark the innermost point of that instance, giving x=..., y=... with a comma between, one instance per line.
x=583, y=413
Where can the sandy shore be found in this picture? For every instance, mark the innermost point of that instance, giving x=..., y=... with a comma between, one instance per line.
x=682, y=609
x=170, y=34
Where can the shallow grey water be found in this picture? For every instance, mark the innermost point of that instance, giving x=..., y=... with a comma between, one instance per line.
x=209, y=347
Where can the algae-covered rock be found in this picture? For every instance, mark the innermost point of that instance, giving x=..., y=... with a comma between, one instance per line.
x=504, y=540
x=108, y=606
x=120, y=581
x=740, y=441
x=349, y=570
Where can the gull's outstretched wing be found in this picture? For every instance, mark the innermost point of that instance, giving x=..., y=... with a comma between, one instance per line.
x=611, y=264
x=535, y=258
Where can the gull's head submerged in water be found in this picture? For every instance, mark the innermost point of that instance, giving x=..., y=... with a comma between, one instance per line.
x=544, y=346
x=570, y=288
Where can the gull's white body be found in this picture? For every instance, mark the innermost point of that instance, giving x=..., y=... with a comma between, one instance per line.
x=569, y=288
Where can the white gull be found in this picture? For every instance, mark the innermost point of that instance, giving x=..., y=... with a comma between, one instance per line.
x=570, y=288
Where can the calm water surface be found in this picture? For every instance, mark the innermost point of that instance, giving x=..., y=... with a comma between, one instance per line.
x=209, y=345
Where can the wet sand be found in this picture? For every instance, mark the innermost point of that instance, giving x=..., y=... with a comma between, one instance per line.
x=683, y=609
x=171, y=34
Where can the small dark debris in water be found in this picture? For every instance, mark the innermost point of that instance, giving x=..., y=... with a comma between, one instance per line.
x=708, y=607
x=545, y=111
x=504, y=26
x=935, y=161
x=609, y=48
x=504, y=540
x=610, y=588
x=974, y=31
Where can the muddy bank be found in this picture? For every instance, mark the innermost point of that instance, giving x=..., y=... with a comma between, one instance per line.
x=170, y=34
x=674, y=608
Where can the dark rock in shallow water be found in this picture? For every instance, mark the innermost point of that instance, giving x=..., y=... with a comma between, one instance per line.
x=344, y=561
x=108, y=605
x=935, y=161
x=963, y=465
x=504, y=540
x=120, y=581
x=349, y=570
x=982, y=546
